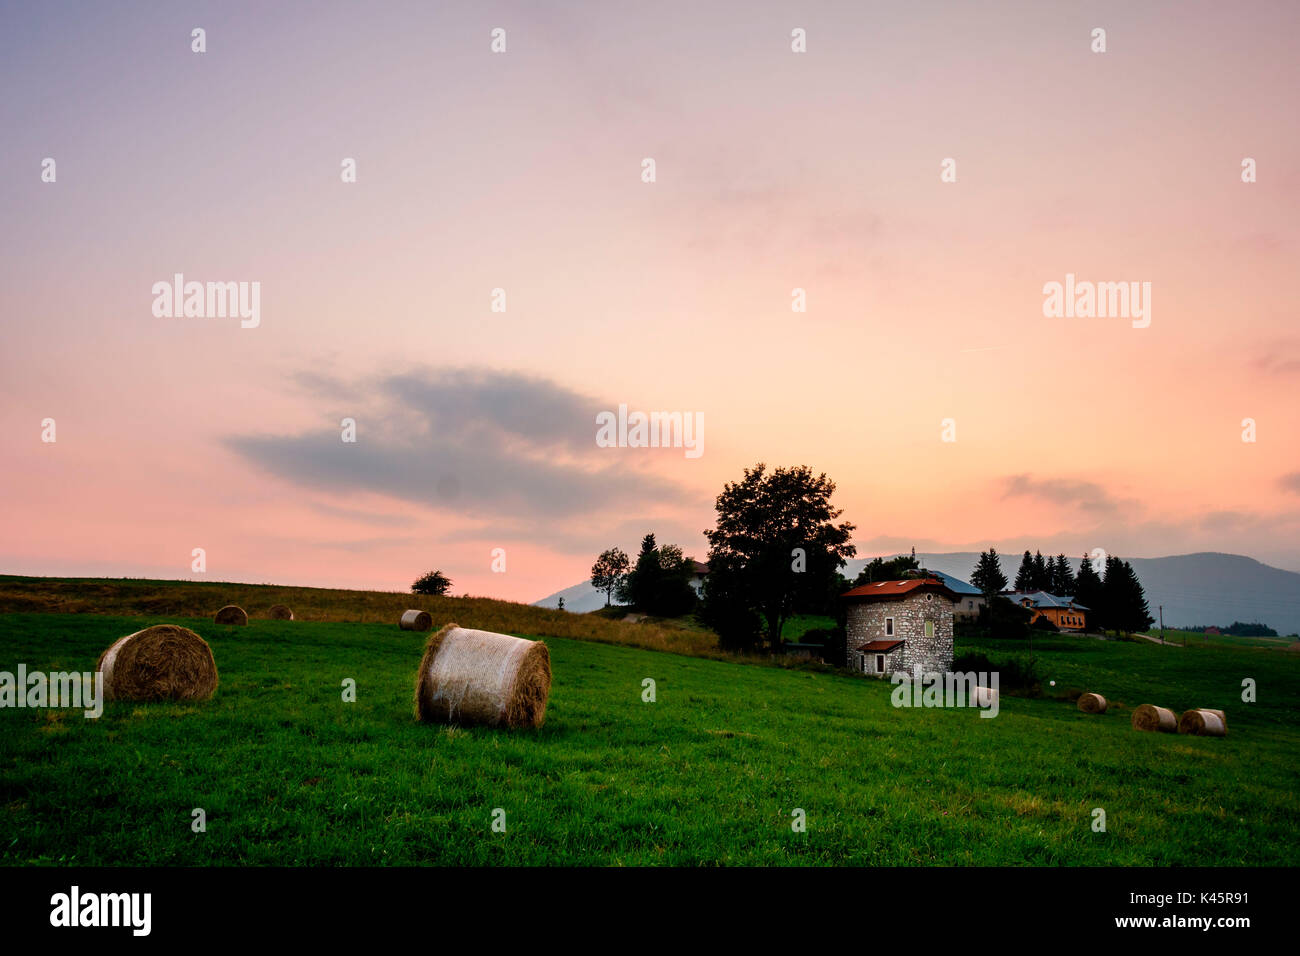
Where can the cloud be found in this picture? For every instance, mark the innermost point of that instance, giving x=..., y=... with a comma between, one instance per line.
x=1085, y=495
x=1280, y=357
x=1290, y=482
x=481, y=443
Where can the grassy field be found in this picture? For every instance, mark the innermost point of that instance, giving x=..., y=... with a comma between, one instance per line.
x=127, y=596
x=708, y=774
x=1174, y=636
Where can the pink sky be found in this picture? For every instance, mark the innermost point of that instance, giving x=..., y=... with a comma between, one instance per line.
x=521, y=170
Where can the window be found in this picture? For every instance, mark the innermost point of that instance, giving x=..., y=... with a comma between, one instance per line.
x=970, y=605
x=889, y=627
x=929, y=628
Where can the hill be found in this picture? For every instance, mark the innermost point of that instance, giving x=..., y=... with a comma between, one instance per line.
x=202, y=599
x=1203, y=588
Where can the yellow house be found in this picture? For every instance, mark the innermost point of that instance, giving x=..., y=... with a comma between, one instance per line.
x=1061, y=611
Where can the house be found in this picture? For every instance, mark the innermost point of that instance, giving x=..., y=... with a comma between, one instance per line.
x=970, y=598
x=1061, y=611
x=699, y=571
x=896, y=625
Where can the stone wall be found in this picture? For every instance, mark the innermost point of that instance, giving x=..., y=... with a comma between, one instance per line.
x=866, y=622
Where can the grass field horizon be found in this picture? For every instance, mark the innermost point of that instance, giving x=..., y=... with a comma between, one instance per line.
x=710, y=773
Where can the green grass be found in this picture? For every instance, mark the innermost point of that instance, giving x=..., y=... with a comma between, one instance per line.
x=1174, y=636
x=289, y=774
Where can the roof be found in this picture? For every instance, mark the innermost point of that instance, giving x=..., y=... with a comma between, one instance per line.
x=957, y=584
x=1043, y=599
x=699, y=567
x=875, y=647
x=897, y=590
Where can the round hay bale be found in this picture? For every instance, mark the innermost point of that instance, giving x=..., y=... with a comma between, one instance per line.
x=232, y=614
x=278, y=612
x=163, y=662
x=416, y=621
x=477, y=677
x=1153, y=718
x=1203, y=722
x=1092, y=703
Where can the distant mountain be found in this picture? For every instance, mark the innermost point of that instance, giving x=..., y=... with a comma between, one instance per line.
x=1203, y=588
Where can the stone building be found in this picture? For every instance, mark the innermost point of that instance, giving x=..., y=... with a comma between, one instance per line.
x=895, y=625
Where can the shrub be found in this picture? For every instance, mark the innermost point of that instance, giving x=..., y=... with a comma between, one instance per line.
x=1019, y=673
x=833, y=643
x=435, y=582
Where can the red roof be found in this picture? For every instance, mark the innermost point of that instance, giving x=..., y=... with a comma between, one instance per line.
x=880, y=646
x=897, y=590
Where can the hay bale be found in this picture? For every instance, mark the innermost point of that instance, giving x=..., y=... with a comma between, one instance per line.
x=477, y=677
x=1153, y=718
x=416, y=621
x=1092, y=703
x=1203, y=722
x=232, y=614
x=278, y=612
x=163, y=662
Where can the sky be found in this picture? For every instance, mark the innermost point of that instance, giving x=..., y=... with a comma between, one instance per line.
x=522, y=171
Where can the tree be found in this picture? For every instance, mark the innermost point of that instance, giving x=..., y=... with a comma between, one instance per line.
x=879, y=569
x=674, y=595
x=1004, y=618
x=776, y=543
x=1087, y=592
x=642, y=581
x=608, y=572
x=560, y=604
x=988, y=576
x=435, y=582
x=1042, y=581
x=660, y=582
x=1124, y=603
x=1025, y=576
x=1063, y=582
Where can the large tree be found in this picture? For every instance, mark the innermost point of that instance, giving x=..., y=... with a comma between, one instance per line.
x=988, y=576
x=1025, y=576
x=1087, y=592
x=674, y=595
x=660, y=581
x=1063, y=582
x=776, y=544
x=642, y=582
x=608, y=572
x=1123, y=600
x=1042, y=580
